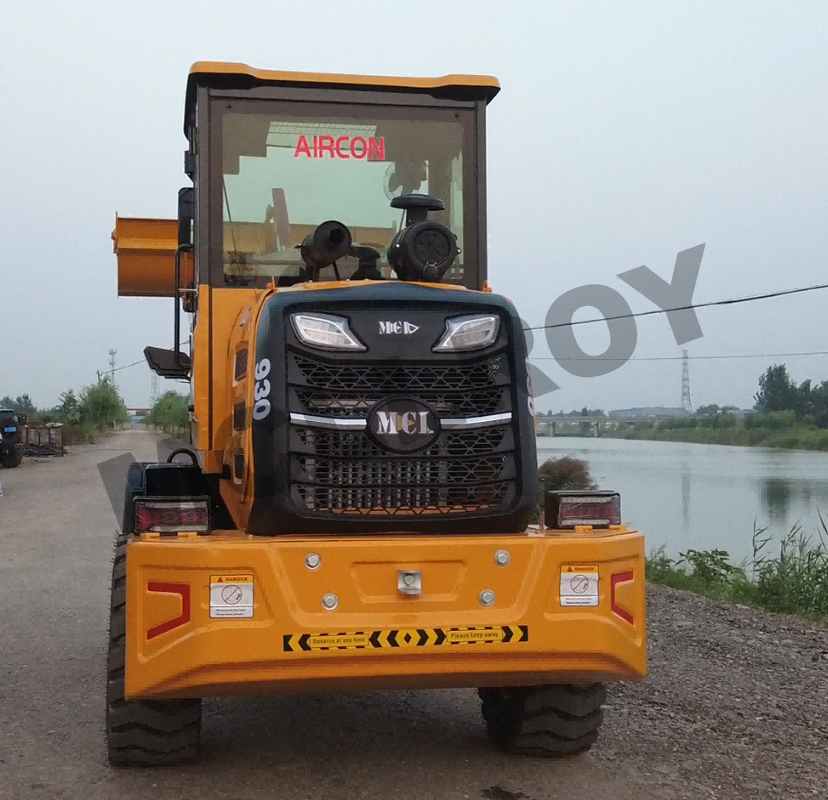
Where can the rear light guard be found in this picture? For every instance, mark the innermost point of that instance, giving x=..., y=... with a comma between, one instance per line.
x=577, y=508
x=172, y=515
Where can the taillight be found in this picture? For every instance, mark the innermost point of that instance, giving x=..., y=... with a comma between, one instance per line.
x=171, y=516
x=598, y=509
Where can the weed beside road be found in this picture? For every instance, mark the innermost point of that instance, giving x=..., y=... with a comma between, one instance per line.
x=792, y=581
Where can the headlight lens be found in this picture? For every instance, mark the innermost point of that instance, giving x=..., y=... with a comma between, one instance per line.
x=325, y=331
x=468, y=333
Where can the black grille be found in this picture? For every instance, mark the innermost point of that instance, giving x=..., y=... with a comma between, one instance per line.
x=400, y=472
x=347, y=444
x=356, y=404
x=341, y=471
x=386, y=378
x=403, y=500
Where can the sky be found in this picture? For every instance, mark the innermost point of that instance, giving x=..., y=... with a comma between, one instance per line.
x=624, y=133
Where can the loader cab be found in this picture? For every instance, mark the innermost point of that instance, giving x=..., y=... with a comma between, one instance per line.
x=272, y=155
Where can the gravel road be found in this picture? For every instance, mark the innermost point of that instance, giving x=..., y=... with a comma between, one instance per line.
x=736, y=705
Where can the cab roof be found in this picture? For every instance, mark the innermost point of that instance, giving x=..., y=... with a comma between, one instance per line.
x=241, y=76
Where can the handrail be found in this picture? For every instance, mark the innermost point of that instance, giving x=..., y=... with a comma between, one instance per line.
x=182, y=248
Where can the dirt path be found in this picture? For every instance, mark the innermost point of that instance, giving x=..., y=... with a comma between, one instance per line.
x=736, y=705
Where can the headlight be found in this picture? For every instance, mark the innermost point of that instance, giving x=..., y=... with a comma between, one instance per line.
x=468, y=333
x=325, y=331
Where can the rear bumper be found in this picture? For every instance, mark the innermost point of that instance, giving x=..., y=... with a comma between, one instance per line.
x=190, y=634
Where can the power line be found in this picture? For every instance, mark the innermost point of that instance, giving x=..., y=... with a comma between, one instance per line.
x=730, y=302
x=127, y=366
x=680, y=358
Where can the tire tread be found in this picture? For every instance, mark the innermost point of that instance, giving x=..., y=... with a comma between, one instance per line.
x=548, y=721
x=142, y=732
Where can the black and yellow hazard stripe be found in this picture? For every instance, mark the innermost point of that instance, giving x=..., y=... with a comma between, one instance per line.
x=405, y=637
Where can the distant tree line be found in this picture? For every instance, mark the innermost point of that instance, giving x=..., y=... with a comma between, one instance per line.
x=778, y=392
x=95, y=408
x=583, y=412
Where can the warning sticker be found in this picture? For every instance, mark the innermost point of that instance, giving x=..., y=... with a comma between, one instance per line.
x=411, y=637
x=579, y=585
x=231, y=596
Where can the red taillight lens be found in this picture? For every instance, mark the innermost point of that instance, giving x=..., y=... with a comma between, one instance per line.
x=568, y=509
x=171, y=516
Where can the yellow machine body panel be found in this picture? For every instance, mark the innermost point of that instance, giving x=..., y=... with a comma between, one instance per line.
x=231, y=614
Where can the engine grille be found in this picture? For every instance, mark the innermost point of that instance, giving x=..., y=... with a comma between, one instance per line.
x=447, y=404
x=399, y=377
x=339, y=471
x=347, y=444
x=403, y=500
x=401, y=472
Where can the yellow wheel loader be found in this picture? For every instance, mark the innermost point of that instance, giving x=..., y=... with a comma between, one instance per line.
x=354, y=510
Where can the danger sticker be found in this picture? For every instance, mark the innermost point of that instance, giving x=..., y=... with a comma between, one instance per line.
x=579, y=585
x=231, y=596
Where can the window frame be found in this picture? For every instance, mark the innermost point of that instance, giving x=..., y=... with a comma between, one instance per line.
x=213, y=104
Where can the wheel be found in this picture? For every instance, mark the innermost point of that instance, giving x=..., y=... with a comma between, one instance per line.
x=554, y=720
x=133, y=486
x=142, y=732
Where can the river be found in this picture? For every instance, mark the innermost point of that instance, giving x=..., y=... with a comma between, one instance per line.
x=704, y=496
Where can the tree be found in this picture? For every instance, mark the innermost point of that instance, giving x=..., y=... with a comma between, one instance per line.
x=69, y=409
x=170, y=412
x=101, y=406
x=22, y=404
x=819, y=404
x=777, y=392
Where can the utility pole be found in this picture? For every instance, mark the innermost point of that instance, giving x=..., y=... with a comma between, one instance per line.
x=686, y=402
x=112, y=367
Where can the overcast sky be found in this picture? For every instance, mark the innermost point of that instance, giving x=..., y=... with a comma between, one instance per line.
x=624, y=133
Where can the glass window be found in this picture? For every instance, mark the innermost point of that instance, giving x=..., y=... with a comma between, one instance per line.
x=285, y=172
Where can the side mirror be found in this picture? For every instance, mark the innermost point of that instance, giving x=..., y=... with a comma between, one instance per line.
x=186, y=214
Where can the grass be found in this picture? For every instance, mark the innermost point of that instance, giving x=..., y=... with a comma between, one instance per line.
x=793, y=581
x=771, y=430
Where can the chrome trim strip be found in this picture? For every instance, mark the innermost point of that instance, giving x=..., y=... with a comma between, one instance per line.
x=356, y=424
x=476, y=422
x=347, y=423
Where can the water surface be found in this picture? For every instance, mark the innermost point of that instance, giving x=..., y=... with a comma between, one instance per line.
x=704, y=496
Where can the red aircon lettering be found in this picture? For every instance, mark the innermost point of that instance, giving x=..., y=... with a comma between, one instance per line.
x=339, y=153
x=326, y=144
x=376, y=149
x=358, y=147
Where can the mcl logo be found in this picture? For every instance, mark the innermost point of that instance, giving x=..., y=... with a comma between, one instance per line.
x=391, y=423
x=402, y=425
x=398, y=327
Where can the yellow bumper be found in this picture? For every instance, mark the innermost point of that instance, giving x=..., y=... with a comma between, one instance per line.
x=234, y=614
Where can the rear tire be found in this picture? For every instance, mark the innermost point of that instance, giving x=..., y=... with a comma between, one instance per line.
x=142, y=732
x=546, y=721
